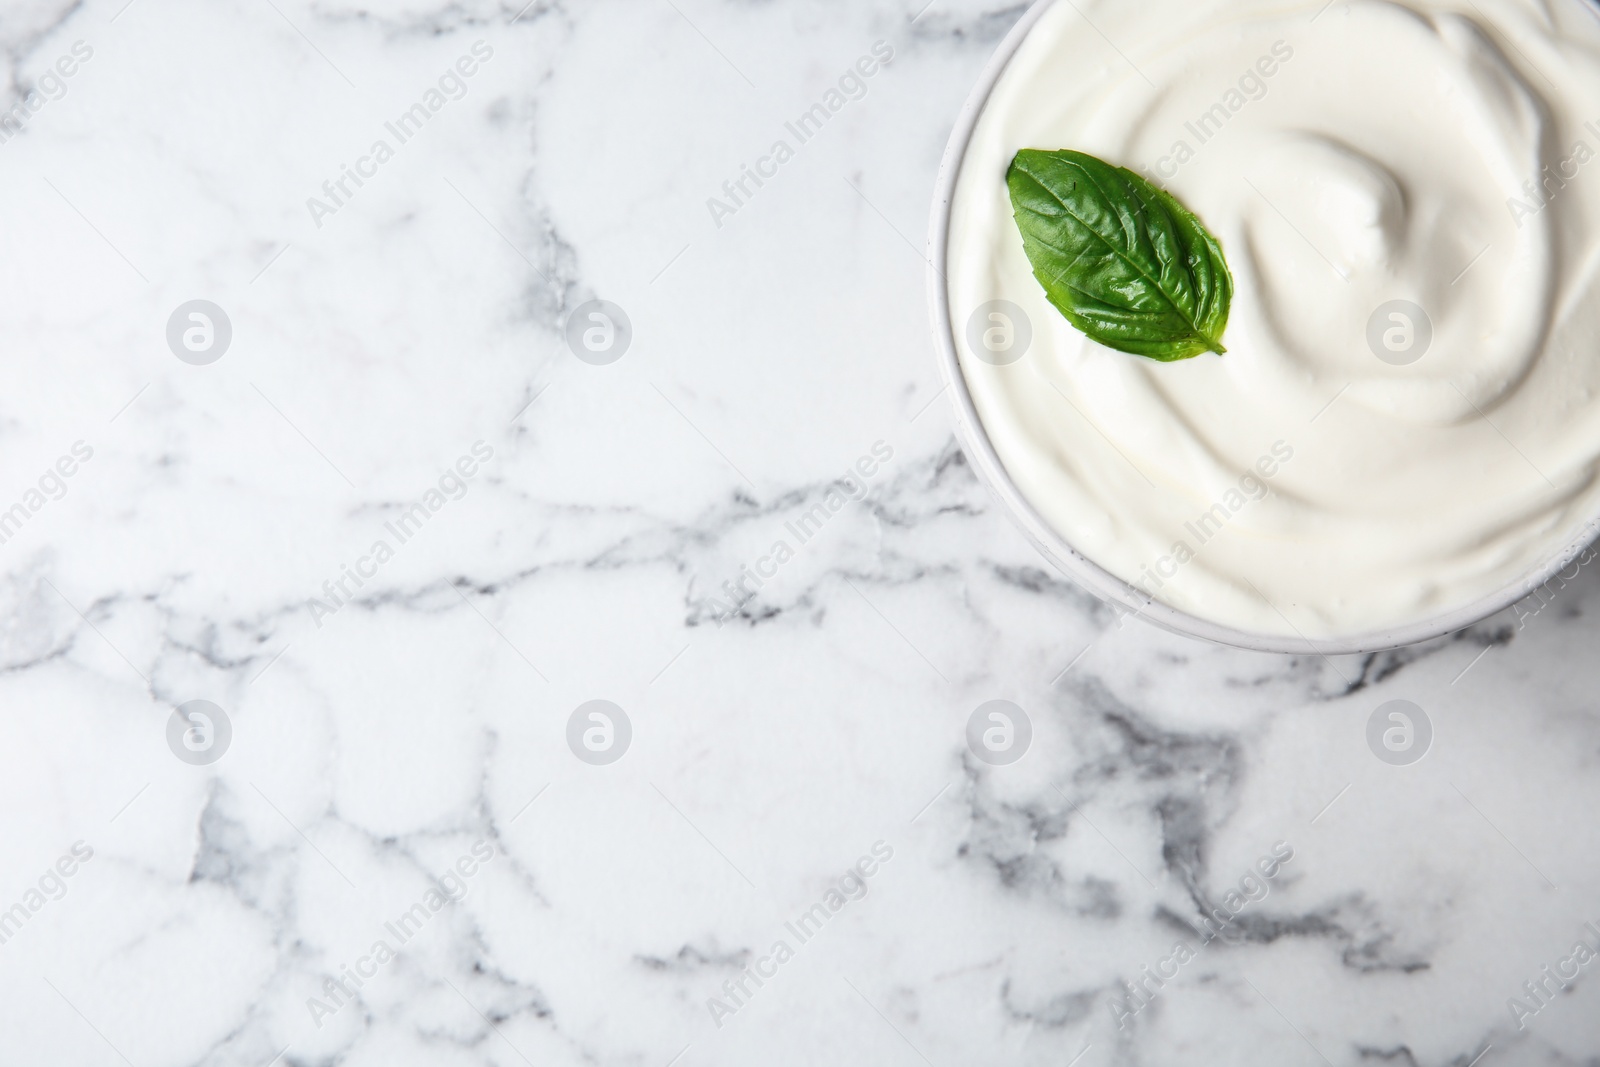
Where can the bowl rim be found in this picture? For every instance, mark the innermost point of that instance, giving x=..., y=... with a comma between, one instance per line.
x=1051, y=544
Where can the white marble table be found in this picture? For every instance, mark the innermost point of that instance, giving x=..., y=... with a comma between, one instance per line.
x=391, y=762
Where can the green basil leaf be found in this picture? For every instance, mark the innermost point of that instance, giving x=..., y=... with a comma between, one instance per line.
x=1121, y=258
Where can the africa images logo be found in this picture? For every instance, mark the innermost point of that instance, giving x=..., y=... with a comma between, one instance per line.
x=452, y=85
x=737, y=992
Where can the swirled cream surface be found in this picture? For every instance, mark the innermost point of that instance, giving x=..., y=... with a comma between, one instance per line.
x=1408, y=194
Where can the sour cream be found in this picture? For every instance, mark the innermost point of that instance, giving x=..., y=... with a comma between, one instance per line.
x=1408, y=193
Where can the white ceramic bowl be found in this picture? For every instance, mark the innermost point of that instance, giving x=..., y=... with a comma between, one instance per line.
x=980, y=451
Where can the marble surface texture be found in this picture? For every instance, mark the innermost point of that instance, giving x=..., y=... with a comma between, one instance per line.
x=390, y=762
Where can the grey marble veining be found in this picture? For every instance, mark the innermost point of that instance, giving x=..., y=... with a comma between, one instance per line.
x=1199, y=859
